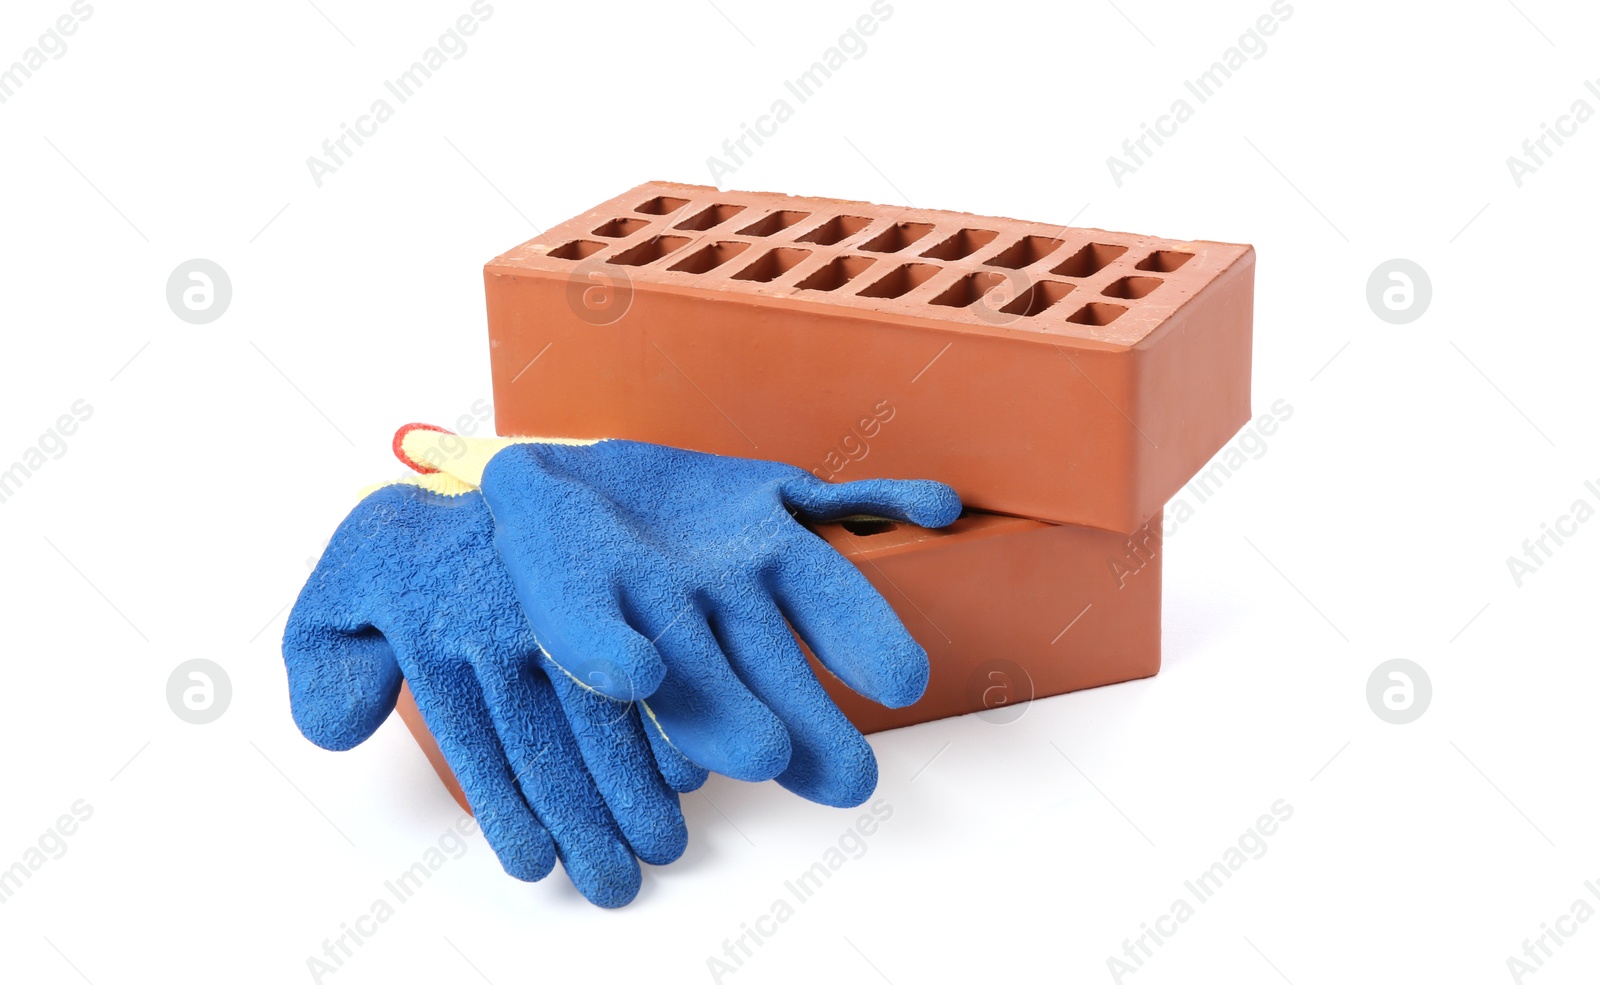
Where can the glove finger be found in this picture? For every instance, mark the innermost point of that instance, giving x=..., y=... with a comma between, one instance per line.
x=705, y=711
x=581, y=627
x=452, y=705
x=570, y=604
x=847, y=624
x=549, y=768
x=342, y=684
x=831, y=763
x=613, y=744
x=921, y=501
x=680, y=773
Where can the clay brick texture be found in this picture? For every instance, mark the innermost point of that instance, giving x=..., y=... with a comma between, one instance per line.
x=1009, y=609
x=1062, y=374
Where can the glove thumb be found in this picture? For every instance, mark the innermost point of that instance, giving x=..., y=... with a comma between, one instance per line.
x=921, y=501
x=341, y=685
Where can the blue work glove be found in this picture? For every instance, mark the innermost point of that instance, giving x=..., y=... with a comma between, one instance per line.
x=410, y=586
x=672, y=577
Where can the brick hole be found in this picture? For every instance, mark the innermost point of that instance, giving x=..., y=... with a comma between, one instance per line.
x=777, y=222
x=772, y=264
x=1037, y=298
x=1096, y=313
x=1131, y=287
x=618, y=228
x=836, y=273
x=964, y=243
x=835, y=229
x=868, y=526
x=968, y=289
x=897, y=237
x=1089, y=260
x=900, y=280
x=651, y=249
x=1028, y=249
x=1164, y=261
x=711, y=215
x=661, y=205
x=577, y=249
x=709, y=258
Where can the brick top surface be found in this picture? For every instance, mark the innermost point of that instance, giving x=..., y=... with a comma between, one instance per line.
x=984, y=274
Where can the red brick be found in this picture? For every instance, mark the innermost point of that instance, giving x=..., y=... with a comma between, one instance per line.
x=1069, y=375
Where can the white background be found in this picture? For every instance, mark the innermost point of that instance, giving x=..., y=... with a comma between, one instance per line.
x=180, y=520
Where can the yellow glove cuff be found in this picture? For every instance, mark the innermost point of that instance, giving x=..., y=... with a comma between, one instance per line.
x=463, y=459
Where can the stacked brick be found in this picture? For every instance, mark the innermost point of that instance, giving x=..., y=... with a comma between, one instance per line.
x=1066, y=382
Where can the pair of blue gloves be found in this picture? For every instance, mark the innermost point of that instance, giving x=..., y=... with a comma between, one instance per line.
x=588, y=627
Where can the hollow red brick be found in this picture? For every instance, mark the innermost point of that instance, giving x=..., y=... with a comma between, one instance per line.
x=1009, y=609
x=1070, y=375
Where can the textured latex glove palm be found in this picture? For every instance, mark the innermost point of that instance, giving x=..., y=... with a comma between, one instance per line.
x=674, y=576
x=411, y=586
